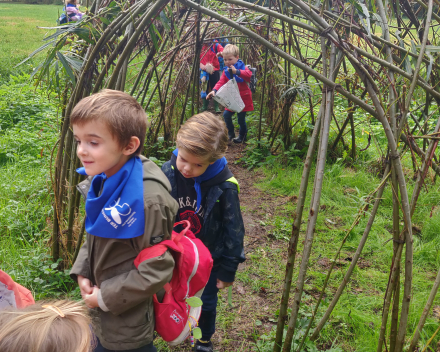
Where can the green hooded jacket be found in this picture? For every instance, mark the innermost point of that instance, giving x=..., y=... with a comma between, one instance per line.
x=125, y=317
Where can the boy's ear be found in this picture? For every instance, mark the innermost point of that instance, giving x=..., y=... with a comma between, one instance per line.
x=131, y=146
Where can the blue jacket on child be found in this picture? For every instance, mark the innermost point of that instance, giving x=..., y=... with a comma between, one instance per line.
x=223, y=229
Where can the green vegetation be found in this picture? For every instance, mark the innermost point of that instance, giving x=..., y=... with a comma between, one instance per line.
x=20, y=36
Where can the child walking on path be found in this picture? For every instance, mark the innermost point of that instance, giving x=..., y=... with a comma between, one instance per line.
x=242, y=75
x=207, y=193
x=129, y=208
x=46, y=327
x=210, y=64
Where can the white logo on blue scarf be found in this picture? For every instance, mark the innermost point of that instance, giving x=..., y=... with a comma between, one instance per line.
x=116, y=211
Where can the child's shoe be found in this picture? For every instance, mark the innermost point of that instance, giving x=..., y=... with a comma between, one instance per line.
x=239, y=139
x=204, y=346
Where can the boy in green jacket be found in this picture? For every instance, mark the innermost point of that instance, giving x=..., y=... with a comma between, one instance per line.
x=128, y=208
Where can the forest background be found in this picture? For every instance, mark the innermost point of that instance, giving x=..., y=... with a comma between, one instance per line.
x=269, y=167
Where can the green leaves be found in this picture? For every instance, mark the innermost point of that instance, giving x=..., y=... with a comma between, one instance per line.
x=194, y=302
x=66, y=67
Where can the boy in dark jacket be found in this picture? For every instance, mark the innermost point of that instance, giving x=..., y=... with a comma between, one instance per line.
x=129, y=208
x=207, y=194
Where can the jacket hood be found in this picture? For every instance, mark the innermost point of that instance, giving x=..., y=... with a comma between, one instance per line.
x=221, y=177
x=152, y=172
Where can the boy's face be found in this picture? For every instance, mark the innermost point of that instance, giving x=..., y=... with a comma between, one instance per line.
x=189, y=165
x=98, y=150
x=230, y=60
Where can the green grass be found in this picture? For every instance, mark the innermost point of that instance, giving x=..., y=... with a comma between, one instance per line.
x=19, y=32
x=356, y=319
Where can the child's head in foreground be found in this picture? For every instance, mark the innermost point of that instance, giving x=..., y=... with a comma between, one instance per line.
x=201, y=141
x=230, y=54
x=46, y=327
x=110, y=128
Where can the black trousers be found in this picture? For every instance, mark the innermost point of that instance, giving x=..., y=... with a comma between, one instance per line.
x=213, y=79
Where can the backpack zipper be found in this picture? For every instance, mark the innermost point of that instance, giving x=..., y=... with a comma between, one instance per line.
x=196, y=265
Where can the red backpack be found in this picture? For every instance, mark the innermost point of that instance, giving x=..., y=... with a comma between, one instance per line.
x=175, y=318
x=13, y=294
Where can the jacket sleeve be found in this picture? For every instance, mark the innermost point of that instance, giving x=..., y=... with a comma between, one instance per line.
x=218, y=48
x=223, y=79
x=81, y=265
x=126, y=290
x=246, y=74
x=233, y=234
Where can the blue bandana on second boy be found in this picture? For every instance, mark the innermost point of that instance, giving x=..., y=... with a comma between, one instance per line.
x=239, y=65
x=211, y=171
x=118, y=212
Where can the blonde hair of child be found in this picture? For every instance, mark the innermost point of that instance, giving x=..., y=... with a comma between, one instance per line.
x=46, y=327
x=122, y=114
x=205, y=136
x=73, y=2
x=231, y=49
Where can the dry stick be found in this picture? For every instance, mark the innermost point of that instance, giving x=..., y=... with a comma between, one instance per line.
x=293, y=244
x=361, y=211
x=120, y=84
x=195, y=69
x=374, y=58
x=420, y=152
x=355, y=259
x=396, y=163
x=356, y=29
x=396, y=220
x=197, y=49
x=264, y=79
x=71, y=198
x=144, y=24
x=409, y=248
x=119, y=23
x=80, y=237
x=331, y=84
x=314, y=208
x=425, y=313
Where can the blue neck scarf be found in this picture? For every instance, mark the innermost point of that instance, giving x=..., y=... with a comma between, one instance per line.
x=238, y=65
x=212, y=171
x=118, y=212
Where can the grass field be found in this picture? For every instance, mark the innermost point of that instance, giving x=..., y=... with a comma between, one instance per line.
x=19, y=33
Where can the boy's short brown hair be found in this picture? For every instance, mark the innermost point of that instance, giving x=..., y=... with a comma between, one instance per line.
x=205, y=136
x=122, y=113
x=231, y=49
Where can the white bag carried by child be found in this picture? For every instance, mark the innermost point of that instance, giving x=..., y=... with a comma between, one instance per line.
x=229, y=96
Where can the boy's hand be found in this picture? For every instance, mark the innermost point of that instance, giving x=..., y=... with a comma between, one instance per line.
x=234, y=70
x=85, y=286
x=92, y=299
x=210, y=95
x=222, y=284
